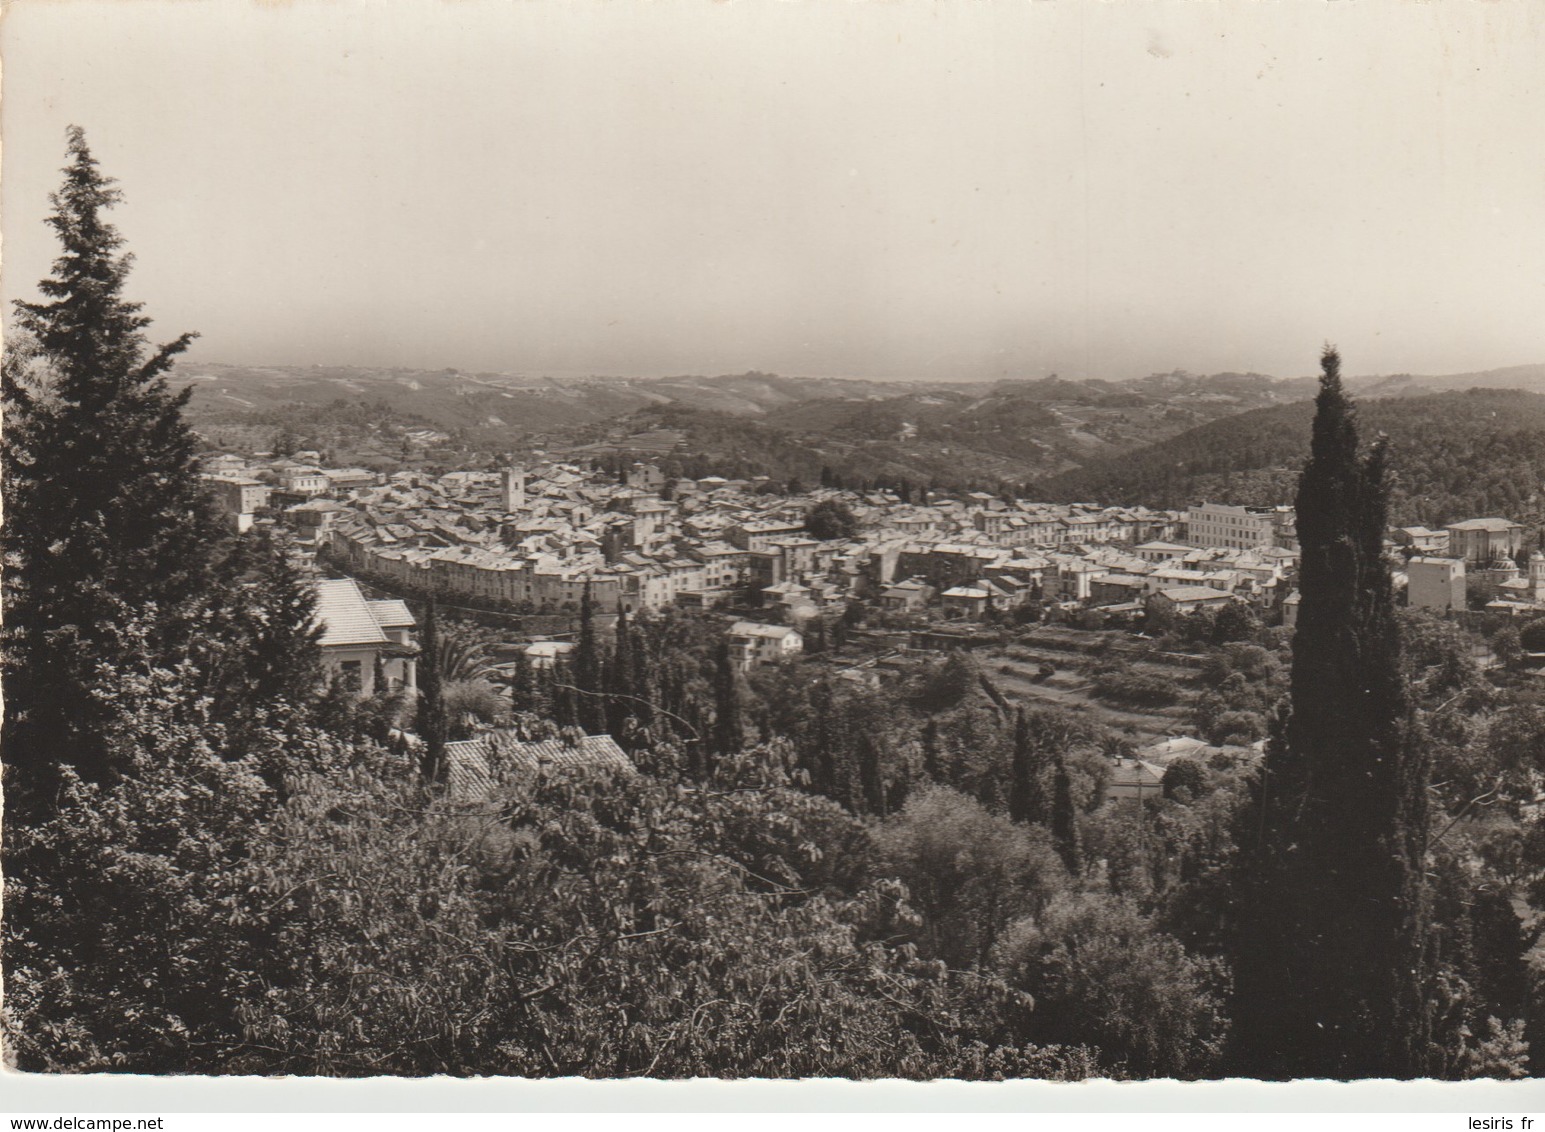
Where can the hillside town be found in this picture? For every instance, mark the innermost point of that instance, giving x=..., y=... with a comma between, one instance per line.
x=769, y=569
x=531, y=540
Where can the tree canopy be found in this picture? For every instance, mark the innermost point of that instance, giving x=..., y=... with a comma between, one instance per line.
x=105, y=514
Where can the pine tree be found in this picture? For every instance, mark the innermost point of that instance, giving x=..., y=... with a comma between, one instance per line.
x=432, y=723
x=106, y=520
x=1331, y=897
x=257, y=653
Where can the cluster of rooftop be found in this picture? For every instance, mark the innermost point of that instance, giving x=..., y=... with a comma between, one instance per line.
x=535, y=539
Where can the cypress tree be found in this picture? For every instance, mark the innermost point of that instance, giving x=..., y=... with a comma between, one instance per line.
x=1036, y=736
x=559, y=680
x=523, y=690
x=1019, y=770
x=839, y=755
x=729, y=733
x=587, y=669
x=1024, y=790
x=287, y=664
x=1064, y=816
x=825, y=735
x=871, y=773
x=931, y=765
x=1328, y=951
x=432, y=724
x=106, y=520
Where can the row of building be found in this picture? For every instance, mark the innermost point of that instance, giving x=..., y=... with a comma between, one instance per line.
x=537, y=540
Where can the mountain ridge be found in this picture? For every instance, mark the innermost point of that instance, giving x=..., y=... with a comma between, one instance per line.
x=1455, y=454
x=1005, y=432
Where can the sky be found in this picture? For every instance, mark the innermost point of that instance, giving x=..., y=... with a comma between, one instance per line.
x=957, y=189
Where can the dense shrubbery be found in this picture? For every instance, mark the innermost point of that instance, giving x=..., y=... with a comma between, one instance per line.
x=1122, y=685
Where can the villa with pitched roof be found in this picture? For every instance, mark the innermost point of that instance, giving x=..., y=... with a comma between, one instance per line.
x=357, y=633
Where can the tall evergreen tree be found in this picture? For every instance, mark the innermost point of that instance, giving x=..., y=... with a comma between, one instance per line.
x=287, y=664
x=1064, y=816
x=106, y=520
x=620, y=683
x=559, y=687
x=1328, y=961
x=432, y=722
x=932, y=767
x=1027, y=788
x=258, y=655
x=729, y=730
x=871, y=773
x=587, y=669
x=523, y=684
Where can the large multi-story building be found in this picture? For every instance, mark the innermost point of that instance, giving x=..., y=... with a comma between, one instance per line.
x=239, y=497
x=304, y=481
x=1239, y=528
x=1485, y=540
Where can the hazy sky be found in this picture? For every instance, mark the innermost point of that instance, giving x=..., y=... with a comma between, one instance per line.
x=958, y=188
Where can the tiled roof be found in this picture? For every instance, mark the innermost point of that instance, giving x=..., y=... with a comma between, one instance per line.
x=753, y=629
x=1493, y=524
x=1193, y=593
x=1135, y=773
x=473, y=766
x=345, y=616
x=392, y=613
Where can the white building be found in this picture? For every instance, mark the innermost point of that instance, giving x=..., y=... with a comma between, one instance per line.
x=1435, y=583
x=1239, y=528
x=763, y=644
x=356, y=634
x=1485, y=540
x=239, y=496
x=304, y=481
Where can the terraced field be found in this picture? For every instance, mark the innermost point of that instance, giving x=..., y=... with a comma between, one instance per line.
x=1015, y=670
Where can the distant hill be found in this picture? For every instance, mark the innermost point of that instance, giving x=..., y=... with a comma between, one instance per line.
x=981, y=433
x=1456, y=455
x=1531, y=379
x=1070, y=437
x=526, y=405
